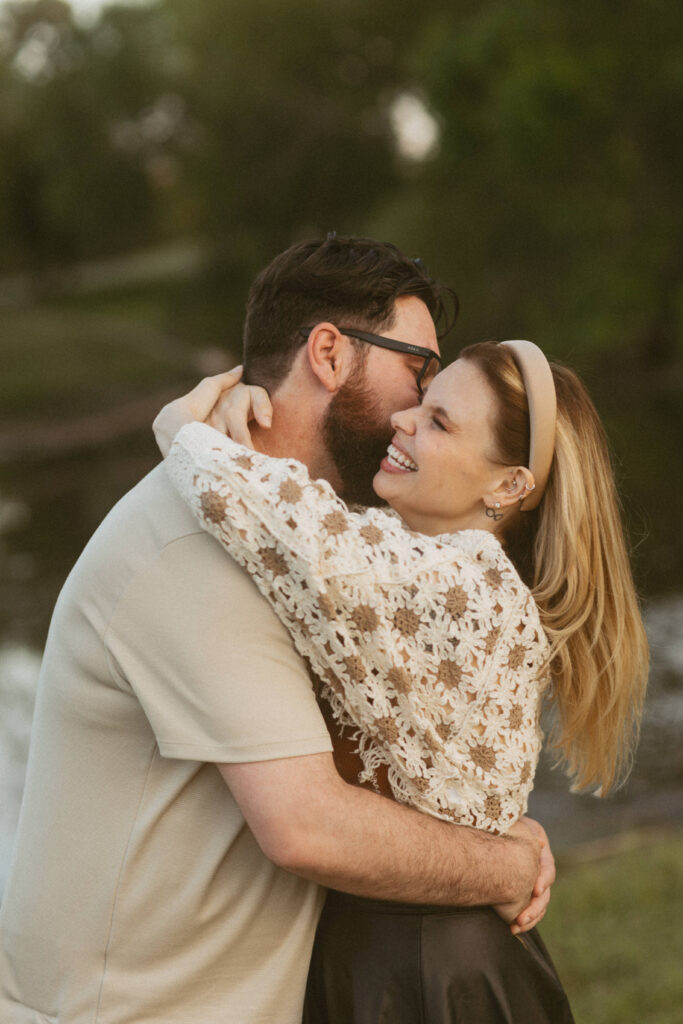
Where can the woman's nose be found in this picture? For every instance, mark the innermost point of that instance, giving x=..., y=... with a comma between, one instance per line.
x=404, y=420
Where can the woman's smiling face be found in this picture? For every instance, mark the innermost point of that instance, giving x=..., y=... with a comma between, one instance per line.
x=438, y=467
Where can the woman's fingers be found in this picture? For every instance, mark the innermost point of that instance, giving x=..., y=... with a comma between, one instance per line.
x=232, y=414
x=237, y=408
x=201, y=400
x=195, y=405
x=261, y=406
x=223, y=403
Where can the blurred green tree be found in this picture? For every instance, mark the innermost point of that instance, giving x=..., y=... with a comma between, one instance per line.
x=291, y=104
x=545, y=187
x=553, y=204
x=80, y=127
x=551, y=200
x=554, y=200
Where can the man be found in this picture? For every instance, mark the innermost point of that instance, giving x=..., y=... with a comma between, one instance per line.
x=181, y=800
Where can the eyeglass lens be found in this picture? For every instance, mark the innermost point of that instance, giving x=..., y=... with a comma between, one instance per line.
x=427, y=374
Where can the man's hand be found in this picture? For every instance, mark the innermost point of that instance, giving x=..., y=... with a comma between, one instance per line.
x=530, y=916
x=525, y=914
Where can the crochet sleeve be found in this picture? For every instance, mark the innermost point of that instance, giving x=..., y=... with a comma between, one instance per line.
x=430, y=647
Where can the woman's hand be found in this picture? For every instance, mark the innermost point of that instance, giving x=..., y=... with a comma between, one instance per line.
x=220, y=401
x=237, y=407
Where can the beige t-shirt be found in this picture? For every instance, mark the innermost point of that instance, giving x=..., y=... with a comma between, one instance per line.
x=137, y=893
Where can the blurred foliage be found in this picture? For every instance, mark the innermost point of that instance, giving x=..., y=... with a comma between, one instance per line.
x=559, y=133
x=550, y=200
x=74, y=178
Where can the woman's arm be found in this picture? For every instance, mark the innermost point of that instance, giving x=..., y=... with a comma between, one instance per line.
x=229, y=408
x=237, y=493
x=412, y=637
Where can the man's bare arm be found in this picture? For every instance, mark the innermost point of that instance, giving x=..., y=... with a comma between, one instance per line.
x=308, y=820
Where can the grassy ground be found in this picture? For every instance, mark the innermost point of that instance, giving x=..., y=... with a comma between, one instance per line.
x=614, y=930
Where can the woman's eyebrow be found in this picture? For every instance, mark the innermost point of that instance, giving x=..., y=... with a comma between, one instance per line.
x=438, y=410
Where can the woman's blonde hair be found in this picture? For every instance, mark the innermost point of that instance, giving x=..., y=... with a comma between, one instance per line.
x=571, y=551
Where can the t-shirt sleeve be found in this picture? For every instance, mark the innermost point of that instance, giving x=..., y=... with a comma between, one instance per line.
x=214, y=670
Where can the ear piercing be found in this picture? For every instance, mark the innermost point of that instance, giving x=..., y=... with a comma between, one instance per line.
x=492, y=513
x=492, y=510
x=527, y=488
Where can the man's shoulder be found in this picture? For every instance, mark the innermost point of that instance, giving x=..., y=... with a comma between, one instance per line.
x=147, y=518
x=156, y=498
x=149, y=532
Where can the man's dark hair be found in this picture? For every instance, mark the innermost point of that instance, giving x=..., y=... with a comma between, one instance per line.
x=350, y=281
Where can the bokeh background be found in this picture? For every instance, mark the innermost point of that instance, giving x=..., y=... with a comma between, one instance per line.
x=154, y=156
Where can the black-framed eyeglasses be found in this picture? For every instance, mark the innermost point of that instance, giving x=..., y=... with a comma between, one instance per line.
x=432, y=362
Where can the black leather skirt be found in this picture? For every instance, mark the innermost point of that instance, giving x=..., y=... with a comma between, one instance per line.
x=393, y=963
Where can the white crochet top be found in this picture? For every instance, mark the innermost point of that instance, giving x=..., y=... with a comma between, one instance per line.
x=432, y=647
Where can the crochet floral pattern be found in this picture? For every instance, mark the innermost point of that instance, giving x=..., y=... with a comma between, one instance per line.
x=430, y=647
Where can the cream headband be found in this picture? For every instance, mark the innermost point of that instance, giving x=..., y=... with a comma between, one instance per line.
x=542, y=402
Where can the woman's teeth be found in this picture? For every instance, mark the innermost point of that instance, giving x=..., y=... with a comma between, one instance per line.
x=399, y=460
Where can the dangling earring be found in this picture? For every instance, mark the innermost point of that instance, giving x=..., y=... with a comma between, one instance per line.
x=492, y=513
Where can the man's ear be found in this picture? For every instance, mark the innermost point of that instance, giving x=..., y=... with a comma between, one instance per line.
x=511, y=486
x=329, y=355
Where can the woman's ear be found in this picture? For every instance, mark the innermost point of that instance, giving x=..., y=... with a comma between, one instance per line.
x=512, y=486
x=329, y=355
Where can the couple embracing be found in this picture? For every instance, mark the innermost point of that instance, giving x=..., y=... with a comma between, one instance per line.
x=258, y=686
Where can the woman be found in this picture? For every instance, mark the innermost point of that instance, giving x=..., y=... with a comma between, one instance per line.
x=435, y=633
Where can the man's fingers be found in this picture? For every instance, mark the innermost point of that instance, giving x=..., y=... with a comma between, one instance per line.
x=546, y=871
x=535, y=910
x=532, y=914
x=546, y=865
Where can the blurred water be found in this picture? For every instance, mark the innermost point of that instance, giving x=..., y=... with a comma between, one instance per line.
x=653, y=795
x=19, y=667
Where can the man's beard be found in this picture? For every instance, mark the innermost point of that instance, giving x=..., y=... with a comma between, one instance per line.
x=356, y=436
